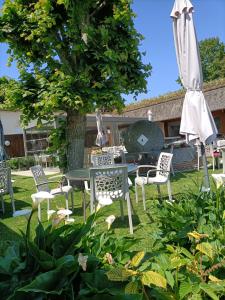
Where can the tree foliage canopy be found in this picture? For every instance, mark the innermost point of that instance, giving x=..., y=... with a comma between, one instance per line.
x=72, y=55
x=212, y=53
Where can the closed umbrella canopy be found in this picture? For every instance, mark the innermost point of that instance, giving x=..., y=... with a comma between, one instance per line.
x=196, y=120
x=102, y=137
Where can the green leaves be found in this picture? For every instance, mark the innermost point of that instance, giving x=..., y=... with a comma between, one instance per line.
x=120, y=274
x=206, y=249
x=136, y=260
x=155, y=278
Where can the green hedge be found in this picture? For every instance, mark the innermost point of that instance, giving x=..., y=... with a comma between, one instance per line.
x=21, y=163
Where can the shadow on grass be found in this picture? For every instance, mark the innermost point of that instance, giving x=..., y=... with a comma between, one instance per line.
x=124, y=223
x=7, y=234
x=19, y=204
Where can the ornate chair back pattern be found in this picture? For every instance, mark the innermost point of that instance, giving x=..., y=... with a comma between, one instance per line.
x=164, y=164
x=5, y=181
x=6, y=187
x=109, y=182
x=3, y=164
x=102, y=160
x=40, y=178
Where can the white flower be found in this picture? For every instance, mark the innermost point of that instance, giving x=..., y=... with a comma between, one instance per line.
x=50, y=212
x=65, y=212
x=57, y=220
x=39, y=197
x=69, y=220
x=82, y=260
x=109, y=220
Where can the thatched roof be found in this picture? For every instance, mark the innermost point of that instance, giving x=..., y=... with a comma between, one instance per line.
x=169, y=106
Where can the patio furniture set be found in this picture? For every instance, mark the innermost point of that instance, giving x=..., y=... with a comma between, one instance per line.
x=108, y=182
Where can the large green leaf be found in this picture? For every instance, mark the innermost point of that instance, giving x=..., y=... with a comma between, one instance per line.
x=155, y=278
x=136, y=260
x=209, y=291
x=53, y=282
x=132, y=288
x=206, y=249
x=120, y=274
x=185, y=289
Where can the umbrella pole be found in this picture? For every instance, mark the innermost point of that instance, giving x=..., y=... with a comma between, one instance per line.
x=205, y=169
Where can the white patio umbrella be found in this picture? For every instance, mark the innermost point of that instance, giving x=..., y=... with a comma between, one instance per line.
x=102, y=137
x=197, y=123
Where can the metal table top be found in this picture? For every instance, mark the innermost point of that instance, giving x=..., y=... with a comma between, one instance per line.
x=84, y=173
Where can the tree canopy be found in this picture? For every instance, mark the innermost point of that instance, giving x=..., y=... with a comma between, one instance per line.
x=73, y=56
x=212, y=53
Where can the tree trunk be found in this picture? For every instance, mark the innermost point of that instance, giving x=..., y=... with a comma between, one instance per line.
x=75, y=133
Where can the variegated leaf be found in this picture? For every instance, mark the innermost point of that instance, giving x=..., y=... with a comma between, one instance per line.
x=131, y=288
x=135, y=261
x=151, y=277
x=206, y=249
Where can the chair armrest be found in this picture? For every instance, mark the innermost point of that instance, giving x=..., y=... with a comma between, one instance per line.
x=144, y=166
x=160, y=170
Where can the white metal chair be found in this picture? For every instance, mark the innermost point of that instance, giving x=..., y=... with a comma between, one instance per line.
x=162, y=176
x=6, y=187
x=109, y=183
x=42, y=184
x=102, y=159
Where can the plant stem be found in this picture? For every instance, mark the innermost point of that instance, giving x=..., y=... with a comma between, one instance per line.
x=144, y=292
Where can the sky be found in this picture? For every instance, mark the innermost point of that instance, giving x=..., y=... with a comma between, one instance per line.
x=154, y=23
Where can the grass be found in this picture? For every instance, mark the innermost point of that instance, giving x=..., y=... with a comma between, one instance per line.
x=144, y=228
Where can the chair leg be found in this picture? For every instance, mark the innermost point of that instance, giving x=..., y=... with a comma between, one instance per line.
x=143, y=196
x=84, y=205
x=3, y=205
x=121, y=209
x=129, y=213
x=72, y=200
x=159, y=192
x=136, y=192
x=169, y=190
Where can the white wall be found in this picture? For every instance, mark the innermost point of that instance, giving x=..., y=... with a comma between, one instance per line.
x=11, y=122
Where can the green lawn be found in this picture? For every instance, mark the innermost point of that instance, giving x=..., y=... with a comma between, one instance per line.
x=143, y=226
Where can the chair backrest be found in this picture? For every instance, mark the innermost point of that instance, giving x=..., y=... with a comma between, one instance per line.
x=5, y=181
x=164, y=164
x=40, y=178
x=3, y=164
x=102, y=159
x=109, y=182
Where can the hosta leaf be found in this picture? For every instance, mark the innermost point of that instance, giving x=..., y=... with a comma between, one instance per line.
x=206, y=249
x=197, y=235
x=135, y=261
x=185, y=289
x=131, y=288
x=208, y=291
x=155, y=278
x=120, y=274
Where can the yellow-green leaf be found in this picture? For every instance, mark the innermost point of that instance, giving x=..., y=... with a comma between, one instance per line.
x=131, y=288
x=197, y=235
x=151, y=277
x=135, y=261
x=206, y=249
x=214, y=279
x=120, y=274
x=224, y=214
